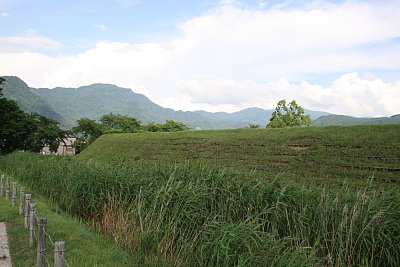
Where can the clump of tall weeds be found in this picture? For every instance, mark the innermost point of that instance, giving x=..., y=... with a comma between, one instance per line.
x=192, y=215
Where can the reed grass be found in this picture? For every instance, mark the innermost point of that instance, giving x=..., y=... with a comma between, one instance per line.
x=192, y=215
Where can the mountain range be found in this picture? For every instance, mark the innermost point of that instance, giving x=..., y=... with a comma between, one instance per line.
x=67, y=105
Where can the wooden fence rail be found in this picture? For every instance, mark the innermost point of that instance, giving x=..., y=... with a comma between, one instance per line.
x=37, y=227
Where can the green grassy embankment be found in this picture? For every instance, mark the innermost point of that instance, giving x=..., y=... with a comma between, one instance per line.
x=319, y=155
x=198, y=213
x=84, y=246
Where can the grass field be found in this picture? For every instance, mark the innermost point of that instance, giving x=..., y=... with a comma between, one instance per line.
x=252, y=197
x=84, y=246
x=319, y=155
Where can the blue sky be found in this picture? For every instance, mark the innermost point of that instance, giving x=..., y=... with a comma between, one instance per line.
x=81, y=24
x=337, y=56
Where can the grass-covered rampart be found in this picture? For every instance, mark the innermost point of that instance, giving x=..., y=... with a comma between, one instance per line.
x=192, y=215
x=314, y=155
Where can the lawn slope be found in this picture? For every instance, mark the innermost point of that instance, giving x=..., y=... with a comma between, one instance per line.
x=317, y=154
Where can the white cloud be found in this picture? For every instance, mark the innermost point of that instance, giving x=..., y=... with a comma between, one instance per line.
x=349, y=94
x=4, y=14
x=30, y=41
x=275, y=43
x=232, y=58
x=101, y=27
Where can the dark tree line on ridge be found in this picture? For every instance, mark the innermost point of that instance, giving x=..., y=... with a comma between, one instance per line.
x=89, y=130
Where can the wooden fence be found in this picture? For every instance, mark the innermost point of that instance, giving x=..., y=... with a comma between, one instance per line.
x=36, y=226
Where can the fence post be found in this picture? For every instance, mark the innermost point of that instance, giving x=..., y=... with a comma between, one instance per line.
x=41, y=242
x=14, y=194
x=7, y=188
x=32, y=224
x=21, y=200
x=59, y=251
x=26, y=209
x=2, y=185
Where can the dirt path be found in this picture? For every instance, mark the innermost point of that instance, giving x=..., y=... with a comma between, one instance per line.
x=5, y=258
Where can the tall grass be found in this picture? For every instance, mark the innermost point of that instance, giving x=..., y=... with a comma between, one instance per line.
x=192, y=215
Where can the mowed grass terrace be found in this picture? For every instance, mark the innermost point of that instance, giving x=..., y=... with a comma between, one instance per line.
x=317, y=155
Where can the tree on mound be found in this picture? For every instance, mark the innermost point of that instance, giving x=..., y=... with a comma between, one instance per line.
x=121, y=122
x=288, y=115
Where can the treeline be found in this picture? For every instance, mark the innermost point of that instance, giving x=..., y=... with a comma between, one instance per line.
x=22, y=131
x=89, y=130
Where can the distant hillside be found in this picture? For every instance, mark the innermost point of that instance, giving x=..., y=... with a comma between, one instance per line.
x=95, y=100
x=16, y=89
x=348, y=120
x=68, y=105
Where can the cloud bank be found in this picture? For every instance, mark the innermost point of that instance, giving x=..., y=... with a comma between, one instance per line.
x=234, y=57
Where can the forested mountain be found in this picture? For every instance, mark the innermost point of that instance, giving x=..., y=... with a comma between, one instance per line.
x=95, y=100
x=27, y=100
x=68, y=105
x=349, y=120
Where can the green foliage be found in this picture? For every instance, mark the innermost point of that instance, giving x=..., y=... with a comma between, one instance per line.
x=89, y=130
x=152, y=127
x=173, y=126
x=168, y=126
x=121, y=122
x=191, y=215
x=290, y=115
x=13, y=129
x=110, y=123
x=45, y=131
x=20, y=131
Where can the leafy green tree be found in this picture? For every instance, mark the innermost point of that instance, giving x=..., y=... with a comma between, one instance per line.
x=14, y=128
x=173, y=126
x=168, y=126
x=45, y=131
x=89, y=129
x=288, y=115
x=13, y=132
x=152, y=127
x=20, y=131
x=121, y=122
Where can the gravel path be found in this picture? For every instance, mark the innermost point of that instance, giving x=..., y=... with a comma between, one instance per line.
x=5, y=258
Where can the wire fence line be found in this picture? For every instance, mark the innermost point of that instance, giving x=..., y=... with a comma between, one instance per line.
x=51, y=240
x=37, y=226
x=47, y=261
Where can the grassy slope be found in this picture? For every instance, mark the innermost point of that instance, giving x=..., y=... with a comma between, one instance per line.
x=189, y=215
x=315, y=154
x=84, y=246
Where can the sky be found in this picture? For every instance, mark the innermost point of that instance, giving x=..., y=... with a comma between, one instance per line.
x=336, y=56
